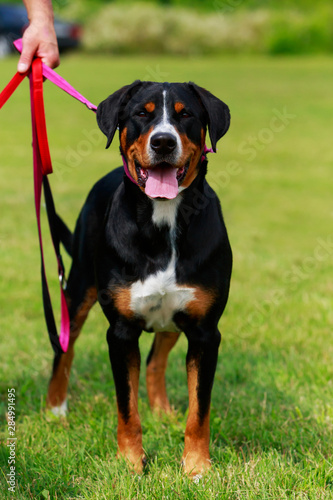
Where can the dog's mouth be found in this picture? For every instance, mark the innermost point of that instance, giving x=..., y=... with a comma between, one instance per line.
x=162, y=180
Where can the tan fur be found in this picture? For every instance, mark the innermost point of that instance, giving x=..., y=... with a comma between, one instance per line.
x=196, y=458
x=155, y=375
x=58, y=385
x=150, y=106
x=138, y=151
x=201, y=304
x=129, y=432
x=193, y=152
x=122, y=301
x=179, y=106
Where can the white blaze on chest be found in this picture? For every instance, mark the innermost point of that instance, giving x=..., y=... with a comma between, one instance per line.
x=159, y=297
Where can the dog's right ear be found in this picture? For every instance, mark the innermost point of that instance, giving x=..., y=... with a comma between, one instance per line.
x=109, y=111
x=218, y=114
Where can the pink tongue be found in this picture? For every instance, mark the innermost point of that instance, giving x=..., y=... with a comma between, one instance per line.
x=162, y=183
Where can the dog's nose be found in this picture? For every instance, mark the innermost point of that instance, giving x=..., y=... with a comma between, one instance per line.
x=163, y=143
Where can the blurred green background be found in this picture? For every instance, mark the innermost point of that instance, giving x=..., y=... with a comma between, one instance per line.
x=272, y=410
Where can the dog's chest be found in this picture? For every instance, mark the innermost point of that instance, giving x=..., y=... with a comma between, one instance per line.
x=158, y=298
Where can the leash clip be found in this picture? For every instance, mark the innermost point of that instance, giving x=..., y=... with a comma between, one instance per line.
x=62, y=281
x=61, y=273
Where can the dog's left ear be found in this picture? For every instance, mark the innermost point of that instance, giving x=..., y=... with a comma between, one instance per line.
x=218, y=114
x=109, y=111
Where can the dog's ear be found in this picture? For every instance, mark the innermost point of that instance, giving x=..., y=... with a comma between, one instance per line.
x=109, y=111
x=218, y=114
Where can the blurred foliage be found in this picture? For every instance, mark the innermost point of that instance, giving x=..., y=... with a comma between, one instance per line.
x=137, y=27
x=130, y=29
x=211, y=5
x=194, y=27
x=86, y=6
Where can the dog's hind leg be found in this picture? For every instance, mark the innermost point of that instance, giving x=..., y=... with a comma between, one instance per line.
x=80, y=300
x=156, y=367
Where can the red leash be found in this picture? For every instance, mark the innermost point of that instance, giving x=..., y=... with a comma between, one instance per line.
x=40, y=141
x=42, y=166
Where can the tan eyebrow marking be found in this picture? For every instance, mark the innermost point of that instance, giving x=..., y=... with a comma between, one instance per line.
x=150, y=106
x=179, y=106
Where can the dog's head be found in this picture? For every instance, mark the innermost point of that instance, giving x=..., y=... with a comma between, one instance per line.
x=162, y=128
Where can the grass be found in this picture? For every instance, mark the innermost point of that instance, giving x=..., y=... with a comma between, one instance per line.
x=272, y=411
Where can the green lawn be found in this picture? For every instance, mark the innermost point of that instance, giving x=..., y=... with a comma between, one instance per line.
x=272, y=407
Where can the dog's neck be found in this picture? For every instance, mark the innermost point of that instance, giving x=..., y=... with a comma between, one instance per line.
x=164, y=212
x=156, y=217
x=148, y=234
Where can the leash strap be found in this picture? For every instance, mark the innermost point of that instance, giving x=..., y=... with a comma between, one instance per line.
x=11, y=87
x=42, y=166
x=39, y=125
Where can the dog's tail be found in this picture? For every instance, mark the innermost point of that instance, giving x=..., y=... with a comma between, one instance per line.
x=65, y=235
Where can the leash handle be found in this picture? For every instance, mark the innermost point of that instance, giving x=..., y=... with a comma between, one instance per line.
x=60, y=82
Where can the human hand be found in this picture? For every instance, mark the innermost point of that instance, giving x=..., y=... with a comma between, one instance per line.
x=39, y=39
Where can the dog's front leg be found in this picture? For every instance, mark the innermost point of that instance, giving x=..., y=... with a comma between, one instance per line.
x=125, y=361
x=201, y=364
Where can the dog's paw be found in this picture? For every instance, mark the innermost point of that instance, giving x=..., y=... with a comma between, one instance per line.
x=197, y=478
x=59, y=411
x=136, y=463
x=195, y=466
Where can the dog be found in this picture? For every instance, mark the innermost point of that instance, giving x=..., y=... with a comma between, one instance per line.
x=152, y=248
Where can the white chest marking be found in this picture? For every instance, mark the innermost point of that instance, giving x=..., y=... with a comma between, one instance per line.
x=165, y=212
x=158, y=297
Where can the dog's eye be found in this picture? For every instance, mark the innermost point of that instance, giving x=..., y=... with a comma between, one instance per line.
x=184, y=114
x=142, y=114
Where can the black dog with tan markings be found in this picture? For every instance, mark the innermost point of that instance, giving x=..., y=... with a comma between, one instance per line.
x=151, y=246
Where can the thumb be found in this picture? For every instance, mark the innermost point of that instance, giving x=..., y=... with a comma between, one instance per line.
x=28, y=51
x=23, y=66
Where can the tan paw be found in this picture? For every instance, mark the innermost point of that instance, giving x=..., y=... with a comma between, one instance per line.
x=195, y=465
